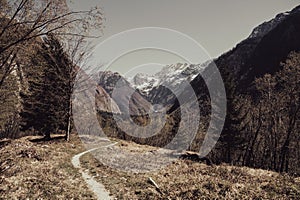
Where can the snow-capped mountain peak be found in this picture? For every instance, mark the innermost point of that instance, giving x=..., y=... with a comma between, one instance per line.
x=170, y=76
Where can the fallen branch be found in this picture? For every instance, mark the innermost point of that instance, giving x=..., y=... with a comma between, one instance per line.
x=155, y=185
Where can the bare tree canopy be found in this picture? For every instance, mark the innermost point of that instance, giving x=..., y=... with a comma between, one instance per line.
x=26, y=27
x=22, y=21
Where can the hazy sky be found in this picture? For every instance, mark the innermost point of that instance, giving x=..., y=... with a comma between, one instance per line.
x=217, y=25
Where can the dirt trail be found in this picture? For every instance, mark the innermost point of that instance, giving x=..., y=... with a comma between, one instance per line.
x=96, y=187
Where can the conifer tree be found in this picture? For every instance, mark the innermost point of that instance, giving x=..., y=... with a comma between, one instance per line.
x=47, y=103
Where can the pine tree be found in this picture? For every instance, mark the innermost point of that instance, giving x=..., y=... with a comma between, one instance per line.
x=46, y=106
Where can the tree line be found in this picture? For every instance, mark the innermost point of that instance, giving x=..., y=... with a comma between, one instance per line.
x=262, y=130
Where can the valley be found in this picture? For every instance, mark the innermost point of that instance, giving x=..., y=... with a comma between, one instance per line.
x=227, y=128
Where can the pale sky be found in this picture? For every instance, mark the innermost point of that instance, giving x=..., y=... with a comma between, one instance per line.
x=217, y=25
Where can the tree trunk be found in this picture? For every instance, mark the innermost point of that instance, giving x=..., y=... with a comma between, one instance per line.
x=47, y=136
x=286, y=146
x=67, y=137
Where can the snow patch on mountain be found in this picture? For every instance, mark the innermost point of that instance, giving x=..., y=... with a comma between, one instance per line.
x=171, y=76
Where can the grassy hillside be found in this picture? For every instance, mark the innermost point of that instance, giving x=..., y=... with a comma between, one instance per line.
x=185, y=179
x=33, y=169
x=40, y=170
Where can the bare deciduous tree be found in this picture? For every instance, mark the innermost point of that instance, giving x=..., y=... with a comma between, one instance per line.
x=24, y=24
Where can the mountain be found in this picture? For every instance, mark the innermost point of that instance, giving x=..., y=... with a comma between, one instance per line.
x=170, y=75
x=90, y=97
x=164, y=86
x=104, y=102
x=87, y=90
x=261, y=53
x=128, y=100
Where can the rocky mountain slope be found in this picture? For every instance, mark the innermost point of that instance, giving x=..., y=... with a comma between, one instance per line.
x=104, y=102
x=87, y=90
x=163, y=87
x=128, y=100
x=267, y=46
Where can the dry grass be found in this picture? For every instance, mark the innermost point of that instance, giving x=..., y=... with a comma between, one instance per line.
x=41, y=170
x=185, y=179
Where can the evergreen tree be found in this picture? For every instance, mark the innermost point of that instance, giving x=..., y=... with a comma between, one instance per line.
x=47, y=102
